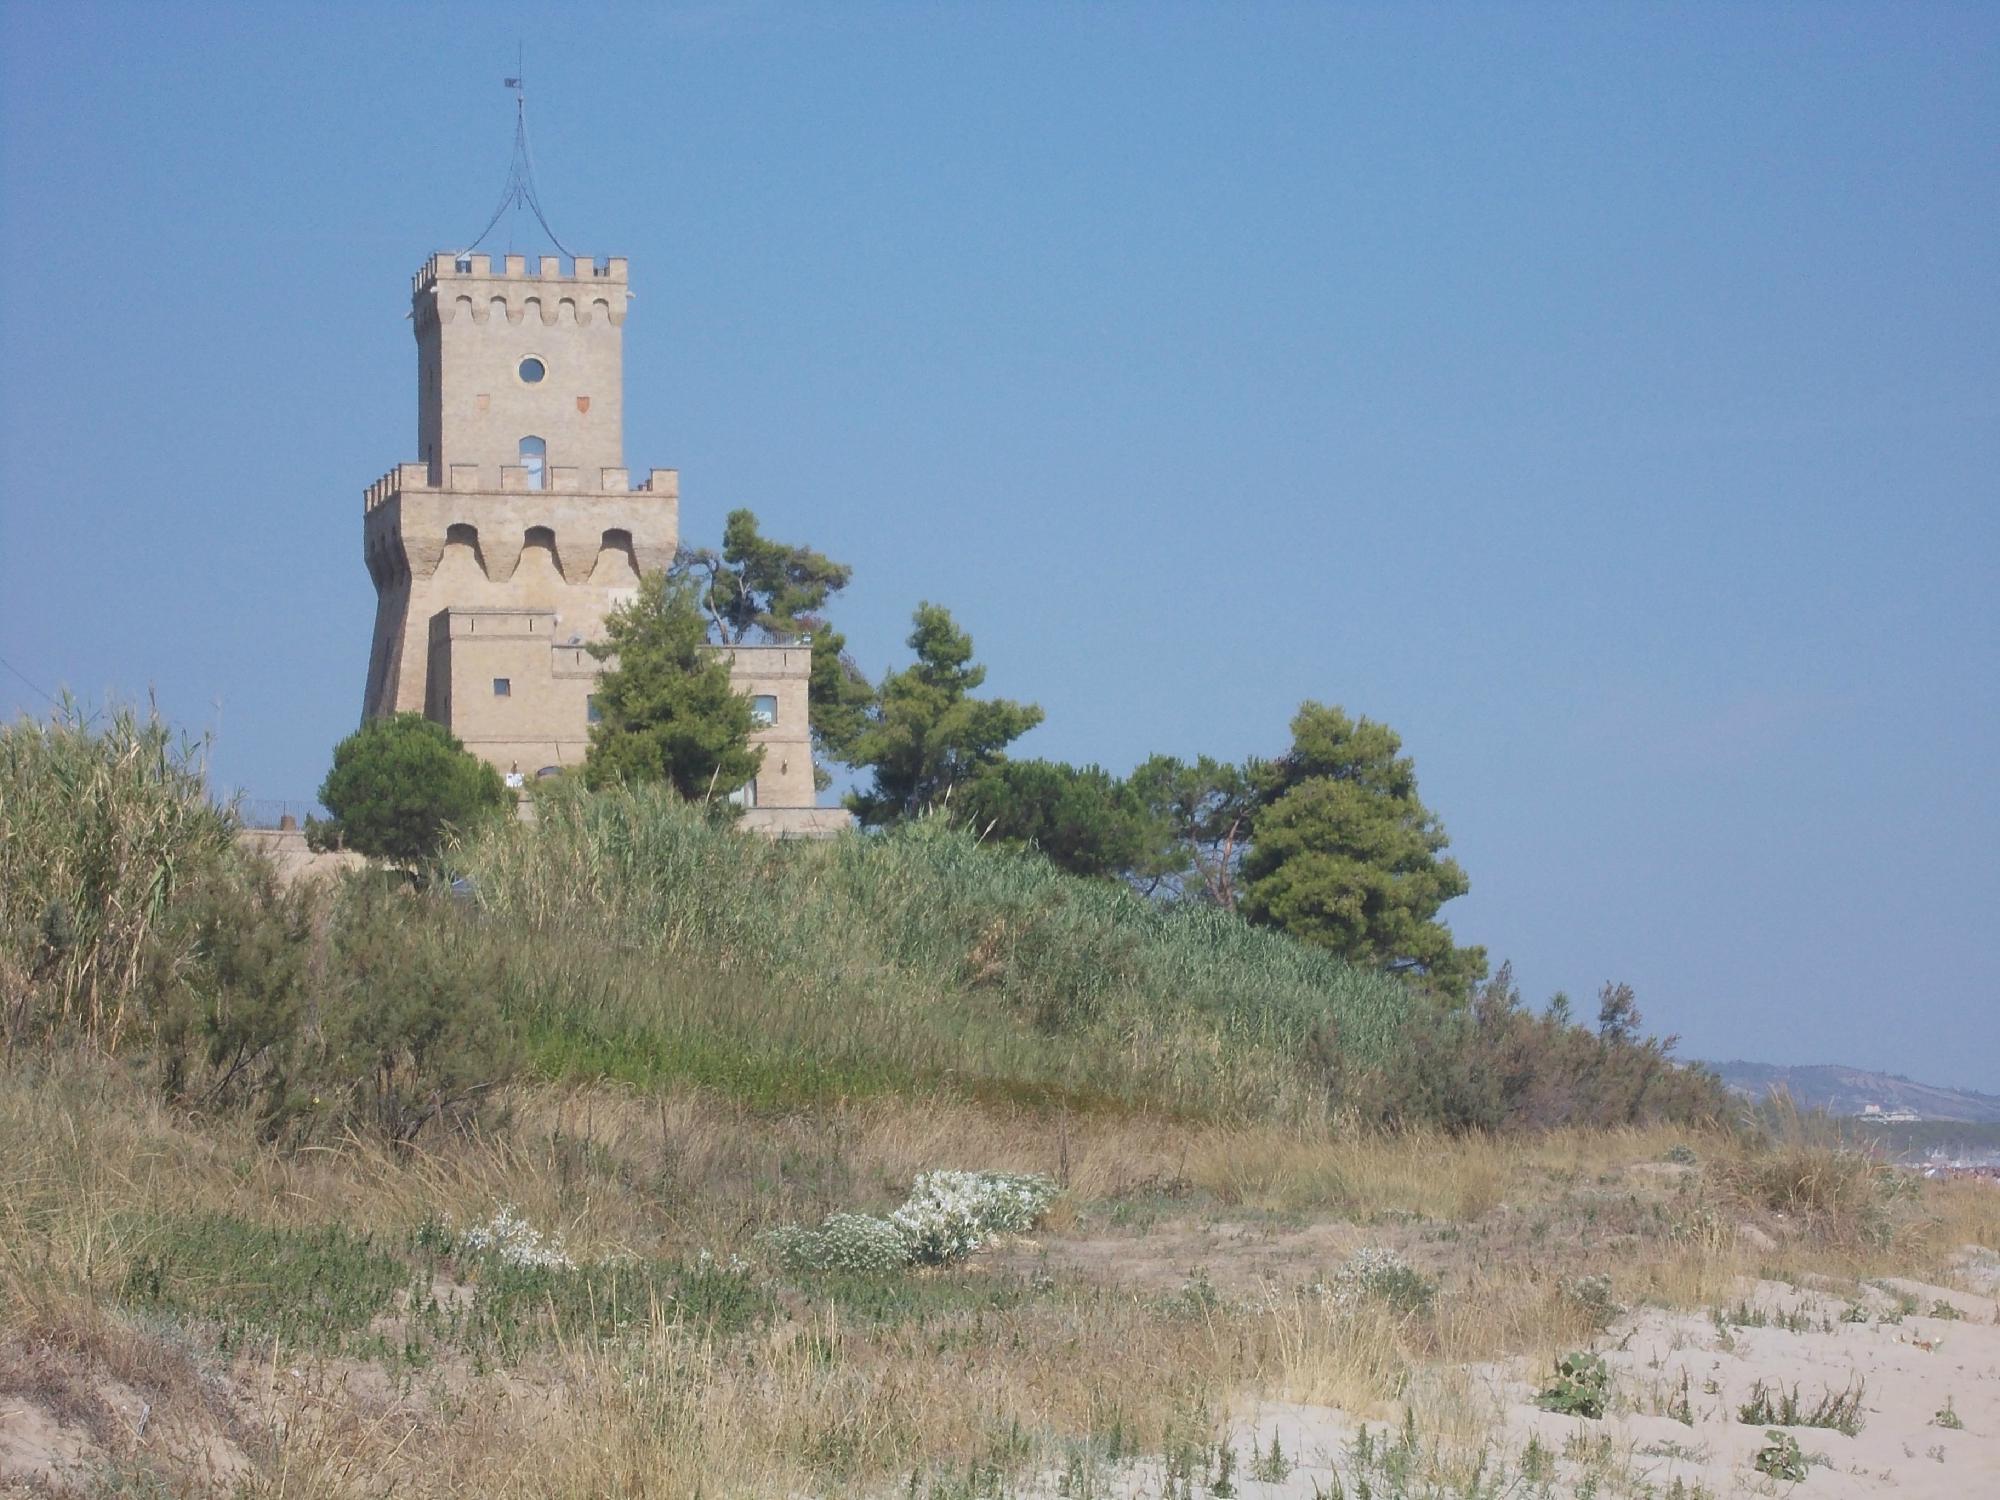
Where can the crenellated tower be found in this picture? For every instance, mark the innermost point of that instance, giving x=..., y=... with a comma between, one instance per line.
x=520, y=515
x=497, y=556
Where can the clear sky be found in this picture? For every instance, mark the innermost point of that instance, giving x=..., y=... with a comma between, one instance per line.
x=1607, y=397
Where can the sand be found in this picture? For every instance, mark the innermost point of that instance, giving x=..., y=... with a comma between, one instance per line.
x=1678, y=1382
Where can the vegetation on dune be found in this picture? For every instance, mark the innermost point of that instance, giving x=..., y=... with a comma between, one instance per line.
x=102, y=824
x=914, y=959
x=627, y=934
x=632, y=1112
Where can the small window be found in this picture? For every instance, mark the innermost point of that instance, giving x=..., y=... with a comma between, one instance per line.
x=745, y=795
x=592, y=712
x=764, y=710
x=532, y=371
x=503, y=687
x=534, y=458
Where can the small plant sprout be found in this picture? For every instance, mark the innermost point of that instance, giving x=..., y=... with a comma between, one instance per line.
x=1948, y=1417
x=1838, y=1410
x=1270, y=1466
x=1581, y=1388
x=1780, y=1457
x=1680, y=1405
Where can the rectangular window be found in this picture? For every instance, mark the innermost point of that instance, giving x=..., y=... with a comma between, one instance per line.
x=745, y=795
x=592, y=712
x=764, y=710
x=503, y=687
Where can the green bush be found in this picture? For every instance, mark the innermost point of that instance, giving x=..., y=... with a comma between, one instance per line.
x=228, y=994
x=858, y=1243
x=414, y=1034
x=361, y=1006
x=397, y=783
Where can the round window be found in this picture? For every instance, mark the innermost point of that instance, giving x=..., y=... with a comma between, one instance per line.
x=532, y=370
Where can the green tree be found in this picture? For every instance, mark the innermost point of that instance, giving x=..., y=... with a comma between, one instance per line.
x=1202, y=815
x=666, y=711
x=1344, y=855
x=760, y=584
x=840, y=698
x=781, y=591
x=1083, y=819
x=926, y=733
x=397, y=784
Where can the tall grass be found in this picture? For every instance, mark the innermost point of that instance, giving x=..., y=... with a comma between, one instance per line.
x=654, y=939
x=99, y=824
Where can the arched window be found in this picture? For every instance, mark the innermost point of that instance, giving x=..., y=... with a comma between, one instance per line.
x=534, y=458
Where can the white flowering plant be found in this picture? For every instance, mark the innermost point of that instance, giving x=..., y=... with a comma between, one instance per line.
x=844, y=1242
x=951, y=1214
x=1378, y=1274
x=513, y=1241
x=947, y=1216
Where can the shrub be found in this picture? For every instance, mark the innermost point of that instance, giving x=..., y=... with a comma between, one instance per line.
x=947, y=1216
x=228, y=993
x=511, y=1240
x=951, y=1214
x=860, y=1243
x=397, y=783
x=1381, y=1275
x=362, y=1006
x=1591, y=1296
x=411, y=1028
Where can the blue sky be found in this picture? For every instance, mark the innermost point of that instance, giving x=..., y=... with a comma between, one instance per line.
x=1607, y=397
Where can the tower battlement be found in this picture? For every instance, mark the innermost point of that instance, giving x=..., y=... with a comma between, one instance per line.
x=447, y=266
x=476, y=479
x=450, y=287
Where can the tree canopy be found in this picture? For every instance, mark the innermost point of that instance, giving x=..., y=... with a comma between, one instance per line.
x=397, y=784
x=1345, y=856
x=666, y=710
x=778, y=590
x=1083, y=819
x=926, y=734
x=760, y=584
x=1202, y=812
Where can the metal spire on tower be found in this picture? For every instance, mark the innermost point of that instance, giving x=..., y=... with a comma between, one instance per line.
x=520, y=187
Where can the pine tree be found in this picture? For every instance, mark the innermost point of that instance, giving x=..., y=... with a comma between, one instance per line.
x=666, y=710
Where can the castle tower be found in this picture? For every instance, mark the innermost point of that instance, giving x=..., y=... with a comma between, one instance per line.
x=497, y=556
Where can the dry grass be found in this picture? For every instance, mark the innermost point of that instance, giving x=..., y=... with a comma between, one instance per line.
x=1026, y=1356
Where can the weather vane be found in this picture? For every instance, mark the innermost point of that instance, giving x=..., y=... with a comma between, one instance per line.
x=520, y=188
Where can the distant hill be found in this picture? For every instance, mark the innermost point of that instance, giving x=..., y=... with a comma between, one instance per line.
x=1848, y=1091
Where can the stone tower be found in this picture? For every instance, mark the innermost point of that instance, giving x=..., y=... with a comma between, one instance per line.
x=497, y=556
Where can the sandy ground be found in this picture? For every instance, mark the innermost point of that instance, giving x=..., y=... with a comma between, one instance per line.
x=1911, y=1367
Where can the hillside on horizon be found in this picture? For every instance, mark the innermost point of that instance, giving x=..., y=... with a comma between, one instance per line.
x=1841, y=1090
